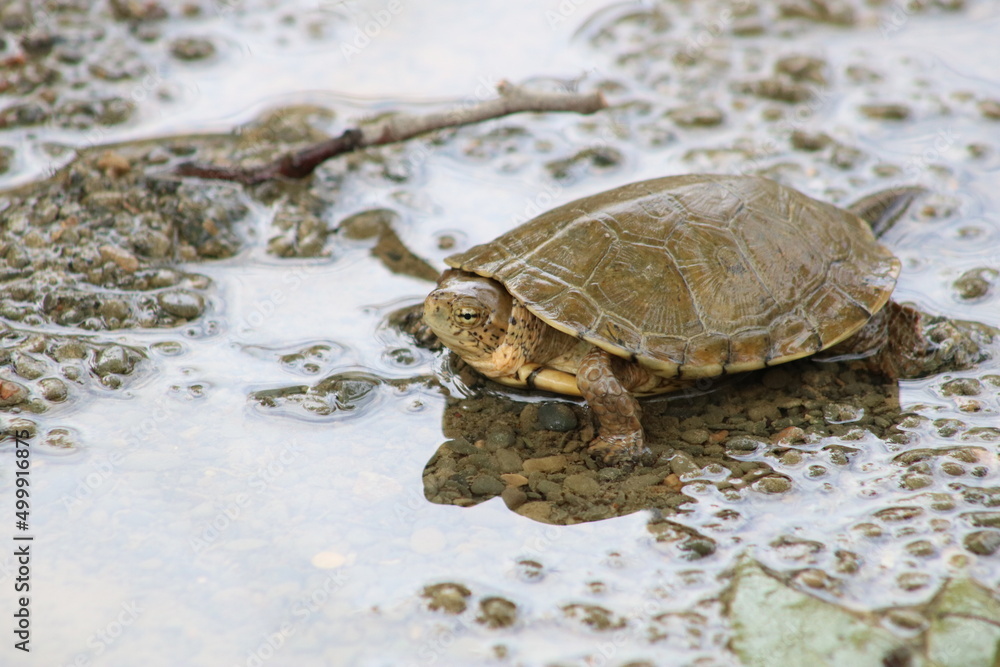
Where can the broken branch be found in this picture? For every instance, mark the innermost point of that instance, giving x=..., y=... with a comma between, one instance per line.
x=299, y=164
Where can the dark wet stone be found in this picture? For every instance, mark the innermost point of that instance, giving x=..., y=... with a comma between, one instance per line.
x=68, y=351
x=54, y=389
x=983, y=542
x=697, y=115
x=836, y=12
x=60, y=438
x=802, y=68
x=500, y=437
x=487, y=486
x=990, y=109
x=809, y=141
x=695, y=436
x=779, y=89
x=773, y=484
x=682, y=464
x=22, y=424
x=975, y=284
x=497, y=612
x=582, y=484
x=508, y=460
x=192, y=48
x=601, y=157
x=447, y=597
x=962, y=387
x=461, y=446
x=114, y=308
x=551, y=490
x=113, y=360
x=886, y=111
x=181, y=303
x=556, y=417
x=28, y=367
x=610, y=474
x=742, y=444
x=514, y=497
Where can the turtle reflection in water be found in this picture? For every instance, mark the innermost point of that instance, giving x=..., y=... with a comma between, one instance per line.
x=649, y=287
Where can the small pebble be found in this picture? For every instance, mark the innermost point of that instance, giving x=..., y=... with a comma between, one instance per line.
x=486, y=485
x=773, y=484
x=113, y=359
x=962, y=387
x=682, y=464
x=60, y=438
x=499, y=437
x=695, y=436
x=54, y=389
x=513, y=497
x=582, y=484
x=125, y=260
x=461, y=446
x=192, y=48
x=556, y=417
x=508, y=460
x=697, y=115
x=447, y=597
x=886, y=111
x=983, y=542
x=497, y=612
x=28, y=367
x=990, y=109
x=181, y=303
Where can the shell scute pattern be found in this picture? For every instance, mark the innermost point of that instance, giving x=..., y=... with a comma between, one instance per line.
x=695, y=275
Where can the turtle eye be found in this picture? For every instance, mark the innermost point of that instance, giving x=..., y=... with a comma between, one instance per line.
x=467, y=317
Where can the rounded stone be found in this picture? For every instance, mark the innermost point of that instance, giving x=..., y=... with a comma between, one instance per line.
x=12, y=393
x=113, y=360
x=69, y=350
x=743, y=444
x=556, y=417
x=962, y=387
x=500, y=437
x=983, y=542
x=582, y=484
x=514, y=497
x=28, y=367
x=695, y=436
x=192, y=48
x=54, y=389
x=487, y=486
x=181, y=303
x=114, y=308
x=773, y=484
x=497, y=612
x=682, y=464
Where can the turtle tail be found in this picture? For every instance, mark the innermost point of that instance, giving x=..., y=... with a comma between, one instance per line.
x=882, y=209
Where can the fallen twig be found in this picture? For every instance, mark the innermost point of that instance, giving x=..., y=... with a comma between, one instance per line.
x=301, y=163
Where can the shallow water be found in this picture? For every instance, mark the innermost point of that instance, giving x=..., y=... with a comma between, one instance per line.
x=190, y=524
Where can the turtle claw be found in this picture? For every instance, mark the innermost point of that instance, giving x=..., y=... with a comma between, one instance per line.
x=618, y=450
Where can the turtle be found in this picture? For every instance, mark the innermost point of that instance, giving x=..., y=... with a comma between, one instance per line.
x=650, y=287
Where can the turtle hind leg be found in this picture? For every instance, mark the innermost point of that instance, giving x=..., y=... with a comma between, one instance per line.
x=605, y=383
x=901, y=342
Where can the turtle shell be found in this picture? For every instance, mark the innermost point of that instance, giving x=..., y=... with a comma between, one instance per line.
x=695, y=275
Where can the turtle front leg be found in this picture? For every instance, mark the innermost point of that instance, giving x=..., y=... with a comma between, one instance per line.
x=605, y=383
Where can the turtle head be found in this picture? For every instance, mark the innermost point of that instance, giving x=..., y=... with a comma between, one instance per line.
x=470, y=314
